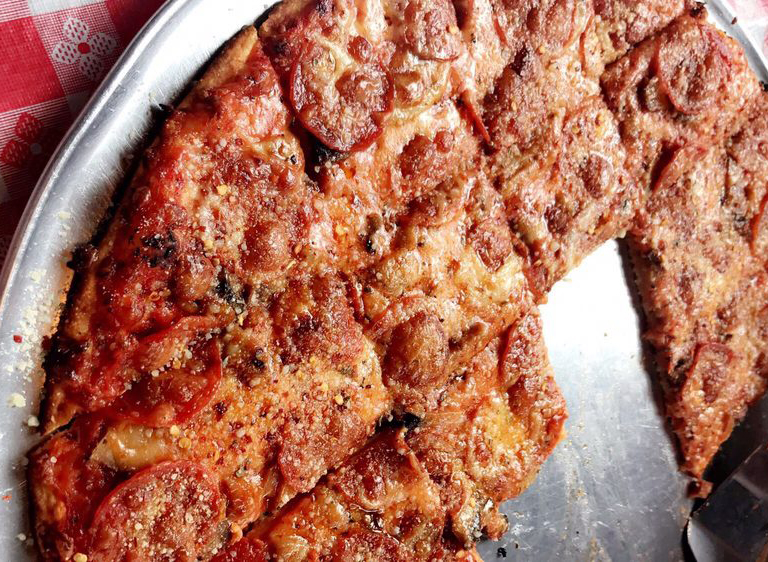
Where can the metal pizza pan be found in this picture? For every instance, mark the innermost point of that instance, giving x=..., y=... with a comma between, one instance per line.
x=611, y=490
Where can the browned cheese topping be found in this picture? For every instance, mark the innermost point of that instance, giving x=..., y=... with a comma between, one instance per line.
x=309, y=331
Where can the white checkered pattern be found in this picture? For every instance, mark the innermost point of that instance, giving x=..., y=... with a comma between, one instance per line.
x=37, y=7
x=53, y=53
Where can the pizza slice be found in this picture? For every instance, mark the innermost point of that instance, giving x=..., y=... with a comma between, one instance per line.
x=219, y=206
x=383, y=93
x=699, y=283
x=451, y=284
x=555, y=155
x=429, y=490
x=704, y=293
x=494, y=429
x=687, y=85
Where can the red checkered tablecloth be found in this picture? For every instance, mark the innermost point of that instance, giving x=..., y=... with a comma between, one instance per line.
x=53, y=53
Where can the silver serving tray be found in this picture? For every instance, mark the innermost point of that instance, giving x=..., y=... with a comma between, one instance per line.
x=610, y=491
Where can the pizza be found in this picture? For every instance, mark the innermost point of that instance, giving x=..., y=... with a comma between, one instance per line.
x=394, y=498
x=702, y=279
x=309, y=329
x=556, y=152
x=688, y=85
x=701, y=286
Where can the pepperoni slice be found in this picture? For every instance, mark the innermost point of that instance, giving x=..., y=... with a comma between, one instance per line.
x=709, y=370
x=549, y=23
x=431, y=30
x=552, y=22
x=112, y=369
x=395, y=314
x=170, y=511
x=439, y=206
x=159, y=349
x=417, y=354
x=425, y=163
x=692, y=66
x=492, y=240
x=523, y=355
x=343, y=107
x=682, y=161
x=176, y=394
x=519, y=87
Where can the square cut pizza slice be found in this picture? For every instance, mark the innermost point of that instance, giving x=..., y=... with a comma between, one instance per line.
x=219, y=202
x=493, y=430
x=362, y=197
x=705, y=295
x=451, y=284
x=687, y=85
x=383, y=95
x=556, y=157
x=428, y=491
